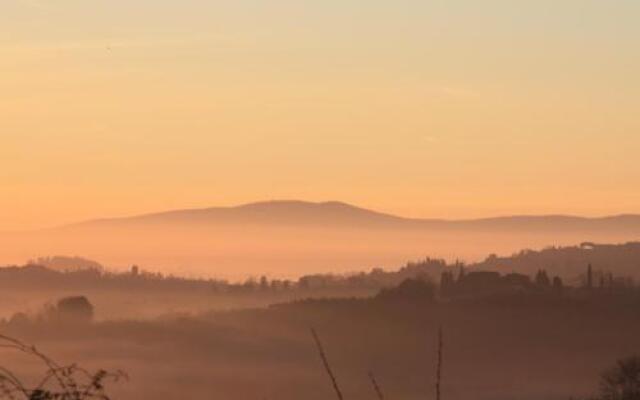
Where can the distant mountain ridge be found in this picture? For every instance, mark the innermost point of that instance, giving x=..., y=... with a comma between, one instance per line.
x=270, y=212
x=289, y=238
x=332, y=213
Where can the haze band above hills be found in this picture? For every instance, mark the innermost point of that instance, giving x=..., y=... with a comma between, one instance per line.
x=291, y=238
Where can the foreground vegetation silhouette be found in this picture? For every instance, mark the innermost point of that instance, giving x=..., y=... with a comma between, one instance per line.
x=622, y=381
x=60, y=382
x=374, y=382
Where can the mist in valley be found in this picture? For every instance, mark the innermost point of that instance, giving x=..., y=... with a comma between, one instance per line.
x=546, y=334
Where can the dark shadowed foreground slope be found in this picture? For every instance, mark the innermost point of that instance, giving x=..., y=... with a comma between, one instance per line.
x=533, y=348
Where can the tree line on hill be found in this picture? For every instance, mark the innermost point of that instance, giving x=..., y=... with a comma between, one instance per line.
x=610, y=266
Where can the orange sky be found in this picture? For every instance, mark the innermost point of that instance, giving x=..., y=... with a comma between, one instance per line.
x=435, y=109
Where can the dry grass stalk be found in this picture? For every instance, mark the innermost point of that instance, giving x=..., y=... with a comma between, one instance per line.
x=59, y=382
x=439, y=368
x=325, y=362
x=376, y=386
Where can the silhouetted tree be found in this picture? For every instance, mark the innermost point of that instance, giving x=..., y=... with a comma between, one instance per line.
x=264, y=284
x=74, y=309
x=461, y=274
x=610, y=281
x=558, y=286
x=446, y=282
x=303, y=282
x=542, y=279
x=249, y=285
x=621, y=382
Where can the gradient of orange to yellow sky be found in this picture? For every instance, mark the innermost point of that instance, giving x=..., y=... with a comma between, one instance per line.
x=457, y=108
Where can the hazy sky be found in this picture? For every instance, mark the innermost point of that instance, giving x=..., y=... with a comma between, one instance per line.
x=451, y=108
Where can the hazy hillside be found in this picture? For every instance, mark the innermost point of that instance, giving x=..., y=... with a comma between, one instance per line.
x=338, y=214
x=622, y=260
x=286, y=212
x=290, y=238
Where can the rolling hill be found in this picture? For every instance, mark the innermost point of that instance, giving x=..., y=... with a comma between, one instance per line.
x=295, y=237
x=334, y=213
